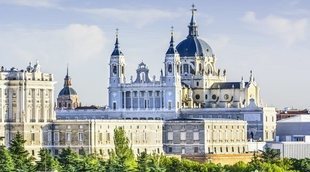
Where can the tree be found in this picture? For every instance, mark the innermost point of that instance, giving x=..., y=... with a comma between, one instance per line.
x=144, y=162
x=301, y=164
x=47, y=162
x=6, y=161
x=155, y=163
x=122, y=157
x=69, y=160
x=23, y=161
x=270, y=155
x=89, y=163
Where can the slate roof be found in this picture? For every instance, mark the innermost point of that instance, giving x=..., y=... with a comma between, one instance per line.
x=193, y=46
x=67, y=91
x=226, y=85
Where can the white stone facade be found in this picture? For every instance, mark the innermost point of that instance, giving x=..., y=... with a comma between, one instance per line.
x=205, y=136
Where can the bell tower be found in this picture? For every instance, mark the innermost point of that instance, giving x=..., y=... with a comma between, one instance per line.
x=117, y=64
x=172, y=77
x=117, y=75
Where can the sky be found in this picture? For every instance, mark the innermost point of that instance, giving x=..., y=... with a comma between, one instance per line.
x=269, y=37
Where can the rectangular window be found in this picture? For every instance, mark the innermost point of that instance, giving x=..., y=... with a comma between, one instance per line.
x=108, y=137
x=68, y=137
x=81, y=137
x=100, y=137
x=170, y=135
x=183, y=136
x=157, y=93
x=32, y=137
x=195, y=149
x=196, y=136
x=114, y=105
x=170, y=149
x=56, y=151
x=169, y=105
x=56, y=136
x=49, y=136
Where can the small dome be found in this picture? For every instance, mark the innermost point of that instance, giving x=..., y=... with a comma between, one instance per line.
x=67, y=91
x=193, y=46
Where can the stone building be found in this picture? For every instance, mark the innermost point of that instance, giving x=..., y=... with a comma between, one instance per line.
x=261, y=121
x=26, y=104
x=205, y=136
x=68, y=97
x=191, y=93
x=190, y=79
x=96, y=136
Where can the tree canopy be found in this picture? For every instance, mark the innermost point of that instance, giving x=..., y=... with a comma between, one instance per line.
x=122, y=159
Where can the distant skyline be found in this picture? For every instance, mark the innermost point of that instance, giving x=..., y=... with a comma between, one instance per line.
x=269, y=37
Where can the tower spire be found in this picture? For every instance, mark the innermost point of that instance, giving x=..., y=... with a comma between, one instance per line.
x=67, y=69
x=171, y=49
x=193, y=31
x=117, y=51
x=171, y=39
x=67, y=79
x=116, y=36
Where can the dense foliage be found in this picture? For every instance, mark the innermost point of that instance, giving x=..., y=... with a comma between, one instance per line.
x=122, y=159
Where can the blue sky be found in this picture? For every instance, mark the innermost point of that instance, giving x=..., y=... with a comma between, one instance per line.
x=269, y=37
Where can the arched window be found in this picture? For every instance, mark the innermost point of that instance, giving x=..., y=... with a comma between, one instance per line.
x=114, y=69
x=142, y=77
x=169, y=68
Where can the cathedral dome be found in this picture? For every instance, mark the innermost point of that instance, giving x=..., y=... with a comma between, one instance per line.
x=67, y=91
x=193, y=46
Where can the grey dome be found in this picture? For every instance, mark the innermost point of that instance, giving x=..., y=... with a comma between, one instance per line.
x=67, y=91
x=193, y=46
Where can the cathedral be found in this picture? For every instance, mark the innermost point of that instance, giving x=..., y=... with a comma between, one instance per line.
x=190, y=110
x=190, y=79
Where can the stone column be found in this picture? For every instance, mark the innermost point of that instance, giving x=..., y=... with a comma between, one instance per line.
x=131, y=104
x=124, y=99
x=153, y=97
x=138, y=99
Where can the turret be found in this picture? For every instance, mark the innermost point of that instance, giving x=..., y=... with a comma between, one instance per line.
x=172, y=77
x=172, y=63
x=117, y=76
x=117, y=64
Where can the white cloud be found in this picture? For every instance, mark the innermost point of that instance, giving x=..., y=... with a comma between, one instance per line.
x=31, y=3
x=139, y=17
x=288, y=30
x=75, y=42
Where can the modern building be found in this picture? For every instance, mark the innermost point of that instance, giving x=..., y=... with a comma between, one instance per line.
x=287, y=113
x=293, y=137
